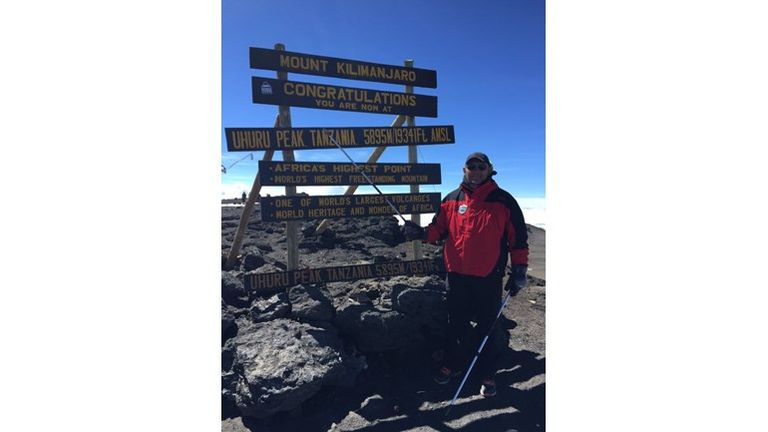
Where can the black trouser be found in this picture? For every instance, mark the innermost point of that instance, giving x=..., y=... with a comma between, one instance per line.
x=478, y=299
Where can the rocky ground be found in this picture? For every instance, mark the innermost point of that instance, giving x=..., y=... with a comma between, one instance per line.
x=360, y=355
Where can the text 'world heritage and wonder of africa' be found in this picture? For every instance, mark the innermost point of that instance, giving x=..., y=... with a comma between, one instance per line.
x=276, y=209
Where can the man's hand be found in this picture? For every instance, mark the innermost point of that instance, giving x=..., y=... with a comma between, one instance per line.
x=517, y=279
x=411, y=231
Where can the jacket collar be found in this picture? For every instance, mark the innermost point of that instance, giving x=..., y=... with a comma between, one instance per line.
x=481, y=191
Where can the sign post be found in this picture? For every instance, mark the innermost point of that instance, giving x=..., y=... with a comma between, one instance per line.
x=291, y=228
x=413, y=158
x=248, y=210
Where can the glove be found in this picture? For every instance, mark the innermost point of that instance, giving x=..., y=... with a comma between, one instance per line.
x=517, y=279
x=411, y=231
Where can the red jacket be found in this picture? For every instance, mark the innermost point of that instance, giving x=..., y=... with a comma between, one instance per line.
x=480, y=227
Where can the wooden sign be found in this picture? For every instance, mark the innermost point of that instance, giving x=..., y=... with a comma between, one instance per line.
x=325, y=173
x=287, y=208
x=254, y=139
x=310, y=95
x=258, y=283
x=309, y=64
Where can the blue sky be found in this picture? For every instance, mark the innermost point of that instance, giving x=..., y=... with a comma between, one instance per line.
x=489, y=58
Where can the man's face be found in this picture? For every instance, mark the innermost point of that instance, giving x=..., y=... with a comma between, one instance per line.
x=476, y=171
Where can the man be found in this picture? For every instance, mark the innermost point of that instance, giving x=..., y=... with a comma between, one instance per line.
x=483, y=226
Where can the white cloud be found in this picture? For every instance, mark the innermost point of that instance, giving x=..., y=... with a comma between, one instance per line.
x=534, y=210
x=236, y=189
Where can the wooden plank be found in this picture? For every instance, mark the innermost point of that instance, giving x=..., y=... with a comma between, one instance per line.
x=250, y=202
x=291, y=228
x=288, y=208
x=323, y=96
x=265, y=283
x=255, y=139
x=333, y=173
x=416, y=250
x=310, y=64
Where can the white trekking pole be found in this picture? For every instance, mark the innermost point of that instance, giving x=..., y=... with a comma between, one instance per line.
x=479, y=350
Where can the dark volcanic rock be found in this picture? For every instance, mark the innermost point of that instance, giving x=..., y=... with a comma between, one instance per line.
x=228, y=326
x=266, y=268
x=431, y=282
x=423, y=299
x=384, y=254
x=375, y=407
x=362, y=247
x=312, y=243
x=230, y=213
x=267, y=309
x=384, y=229
x=270, y=268
x=279, y=364
x=229, y=224
x=386, y=314
x=348, y=316
x=280, y=353
x=366, y=291
x=252, y=259
x=232, y=290
x=229, y=316
x=376, y=330
x=309, y=304
x=308, y=228
x=251, y=242
x=352, y=422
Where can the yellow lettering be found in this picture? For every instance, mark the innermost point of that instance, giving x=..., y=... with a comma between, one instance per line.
x=297, y=137
x=302, y=63
x=251, y=140
x=282, y=137
x=260, y=281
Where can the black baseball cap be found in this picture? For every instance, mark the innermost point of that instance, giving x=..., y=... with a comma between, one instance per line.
x=482, y=157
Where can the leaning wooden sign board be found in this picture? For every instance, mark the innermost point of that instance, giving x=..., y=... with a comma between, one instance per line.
x=262, y=283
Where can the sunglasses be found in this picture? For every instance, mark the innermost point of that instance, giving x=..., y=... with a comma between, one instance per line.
x=476, y=167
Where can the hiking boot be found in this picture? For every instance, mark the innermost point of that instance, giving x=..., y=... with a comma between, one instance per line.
x=488, y=388
x=444, y=375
